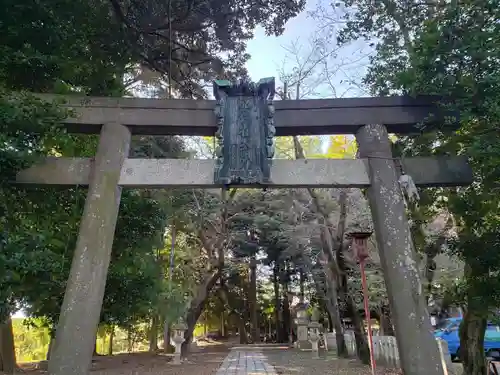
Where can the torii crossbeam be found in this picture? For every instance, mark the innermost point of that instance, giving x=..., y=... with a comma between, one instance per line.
x=185, y=173
x=117, y=119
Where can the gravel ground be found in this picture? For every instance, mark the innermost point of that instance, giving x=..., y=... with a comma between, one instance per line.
x=295, y=362
x=205, y=362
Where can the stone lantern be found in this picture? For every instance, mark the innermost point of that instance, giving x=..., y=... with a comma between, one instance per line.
x=302, y=321
x=314, y=333
x=177, y=339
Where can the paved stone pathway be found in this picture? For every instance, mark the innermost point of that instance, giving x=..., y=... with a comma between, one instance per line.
x=246, y=362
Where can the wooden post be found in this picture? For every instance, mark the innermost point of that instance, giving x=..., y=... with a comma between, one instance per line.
x=418, y=351
x=81, y=308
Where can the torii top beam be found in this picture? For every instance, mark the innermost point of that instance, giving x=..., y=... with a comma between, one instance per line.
x=400, y=114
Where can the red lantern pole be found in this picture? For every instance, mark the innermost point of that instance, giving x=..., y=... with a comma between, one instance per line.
x=360, y=248
x=367, y=314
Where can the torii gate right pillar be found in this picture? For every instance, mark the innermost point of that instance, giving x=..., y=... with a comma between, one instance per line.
x=418, y=351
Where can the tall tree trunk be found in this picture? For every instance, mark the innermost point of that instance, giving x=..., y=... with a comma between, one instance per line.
x=51, y=345
x=327, y=288
x=277, y=304
x=386, y=325
x=167, y=345
x=287, y=315
x=330, y=322
x=301, y=285
x=153, y=333
x=196, y=308
x=130, y=342
x=286, y=320
x=362, y=349
x=52, y=341
x=332, y=244
x=253, y=301
x=166, y=323
x=198, y=303
x=205, y=324
x=166, y=337
x=222, y=324
x=242, y=331
x=111, y=338
x=471, y=352
x=7, y=348
x=334, y=311
x=472, y=331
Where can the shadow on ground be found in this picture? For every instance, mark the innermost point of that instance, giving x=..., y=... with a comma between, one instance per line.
x=205, y=361
x=295, y=362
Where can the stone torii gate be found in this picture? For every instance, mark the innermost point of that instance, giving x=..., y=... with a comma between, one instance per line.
x=245, y=120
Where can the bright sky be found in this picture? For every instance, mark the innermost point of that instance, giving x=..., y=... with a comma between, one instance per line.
x=269, y=54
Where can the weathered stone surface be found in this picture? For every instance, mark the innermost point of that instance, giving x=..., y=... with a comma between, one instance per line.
x=244, y=114
x=77, y=327
x=418, y=350
x=180, y=173
x=302, y=333
x=57, y=171
x=246, y=362
x=438, y=170
x=401, y=114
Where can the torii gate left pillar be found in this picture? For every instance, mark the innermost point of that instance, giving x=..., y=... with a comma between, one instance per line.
x=80, y=312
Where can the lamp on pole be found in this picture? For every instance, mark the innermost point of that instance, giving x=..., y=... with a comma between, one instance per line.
x=360, y=249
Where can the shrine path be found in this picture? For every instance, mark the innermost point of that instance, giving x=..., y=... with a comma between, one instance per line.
x=246, y=361
x=280, y=360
